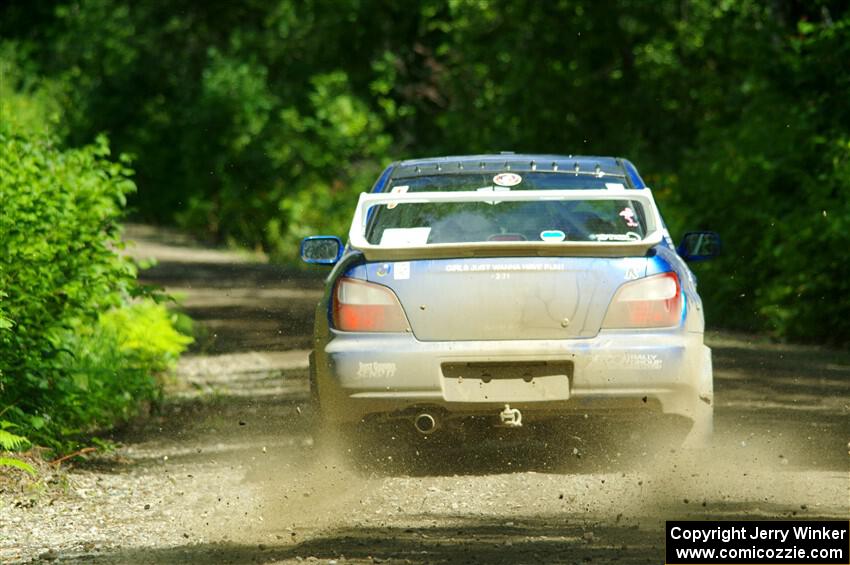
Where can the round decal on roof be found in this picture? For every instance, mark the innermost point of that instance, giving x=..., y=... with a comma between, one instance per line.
x=507, y=179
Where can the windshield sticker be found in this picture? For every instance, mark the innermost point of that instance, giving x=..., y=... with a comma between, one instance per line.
x=401, y=271
x=401, y=189
x=552, y=235
x=507, y=179
x=493, y=189
x=629, y=216
x=614, y=186
x=628, y=236
x=405, y=237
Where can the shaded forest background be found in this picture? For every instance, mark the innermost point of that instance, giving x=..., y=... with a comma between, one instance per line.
x=257, y=122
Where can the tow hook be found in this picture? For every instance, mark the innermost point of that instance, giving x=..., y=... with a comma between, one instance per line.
x=511, y=417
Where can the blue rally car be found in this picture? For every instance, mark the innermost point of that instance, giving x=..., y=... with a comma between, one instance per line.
x=510, y=289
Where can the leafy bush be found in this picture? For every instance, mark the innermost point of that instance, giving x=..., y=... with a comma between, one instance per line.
x=29, y=104
x=145, y=333
x=9, y=442
x=75, y=352
x=285, y=172
x=110, y=367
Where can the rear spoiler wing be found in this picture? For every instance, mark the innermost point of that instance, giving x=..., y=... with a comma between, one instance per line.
x=632, y=248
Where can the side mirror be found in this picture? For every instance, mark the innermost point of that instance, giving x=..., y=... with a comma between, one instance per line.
x=699, y=246
x=321, y=249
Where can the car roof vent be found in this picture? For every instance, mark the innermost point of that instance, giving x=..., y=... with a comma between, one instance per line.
x=579, y=165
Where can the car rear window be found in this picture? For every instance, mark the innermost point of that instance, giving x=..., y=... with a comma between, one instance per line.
x=413, y=224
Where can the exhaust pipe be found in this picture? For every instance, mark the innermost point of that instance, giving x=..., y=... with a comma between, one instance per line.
x=425, y=423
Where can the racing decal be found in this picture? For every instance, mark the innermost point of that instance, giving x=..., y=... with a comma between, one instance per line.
x=628, y=236
x=552, y=235
x=629, y=216
x=397, y=190
x=405, y=237
x=375, y=370
x=507, y=179
x=629, y=361
x=401, y=270
x=487, y=267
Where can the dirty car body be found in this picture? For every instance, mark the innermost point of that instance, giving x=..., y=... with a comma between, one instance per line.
x=510, y=289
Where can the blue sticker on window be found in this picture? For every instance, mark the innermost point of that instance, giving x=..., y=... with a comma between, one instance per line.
x=552, y=235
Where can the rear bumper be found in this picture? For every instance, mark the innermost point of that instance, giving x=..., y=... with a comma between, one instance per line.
x=366, y=375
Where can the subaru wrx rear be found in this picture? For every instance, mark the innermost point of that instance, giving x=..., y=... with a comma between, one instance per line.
x=510, y=289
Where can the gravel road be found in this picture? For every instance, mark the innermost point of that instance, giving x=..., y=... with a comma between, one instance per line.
x=226, y=470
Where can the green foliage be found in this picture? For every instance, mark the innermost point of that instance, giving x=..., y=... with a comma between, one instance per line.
x=259, y=122
x=145, y=332
x=76, y=353
x=14, y=463
x=10, y=442
x=57, y=238
x=108, y=368
x=769, y=170
x=28, y=104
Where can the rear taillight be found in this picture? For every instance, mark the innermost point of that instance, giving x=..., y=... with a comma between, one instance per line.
x=652, y=302
x=360, y=306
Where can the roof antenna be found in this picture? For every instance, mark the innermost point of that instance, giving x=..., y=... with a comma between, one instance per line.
x=576, y=168
x=533, y=166
x=481, y=164
x=418, y=169
x=460, y=165
x=554, y=167
x=507, y=166
x=439, y=167
x=598, y=170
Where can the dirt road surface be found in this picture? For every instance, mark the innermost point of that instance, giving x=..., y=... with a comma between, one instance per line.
x=226, y=471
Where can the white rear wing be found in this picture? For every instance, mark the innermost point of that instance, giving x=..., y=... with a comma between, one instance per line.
x=405, y=250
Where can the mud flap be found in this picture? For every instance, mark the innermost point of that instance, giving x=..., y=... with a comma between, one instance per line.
x=314, y=389
x=702, y=410
x=320, y=428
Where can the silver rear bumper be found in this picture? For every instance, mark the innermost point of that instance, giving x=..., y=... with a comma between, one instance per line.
x=360, y=375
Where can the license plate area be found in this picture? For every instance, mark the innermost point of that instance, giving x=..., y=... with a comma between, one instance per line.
x=511, y=381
